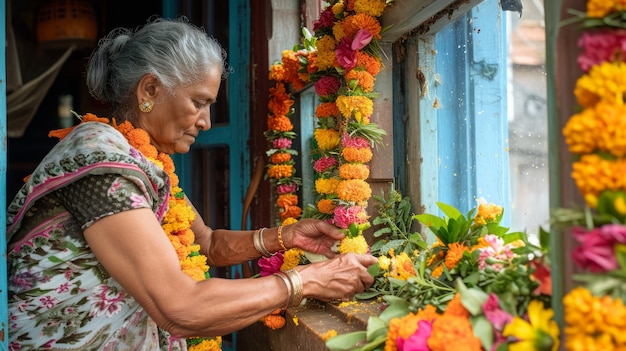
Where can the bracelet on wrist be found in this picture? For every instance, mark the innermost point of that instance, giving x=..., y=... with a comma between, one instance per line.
x=280, y=238
x=259, y=245
x=295, y=288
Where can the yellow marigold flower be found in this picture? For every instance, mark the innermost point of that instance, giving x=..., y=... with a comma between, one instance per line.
x=354, y=171
x=402, y=267
x=438, y=271
x=581, y=132
x=593, y=174
x=327, y=186
x=195, y=267
x=280, y=171
x=338, y=32
x=355, y=245
x=326, y=57
x=538, y=333
x=348, y=105
x=288, y=221
x=327, y=139
x=338, y=8
x=326, y=206
x=603, y=82
x=355, y=190
x=486, y=213
x=291, y=258
x=354, y=154
x=454, y=254
x=212, y=344
x=178, y=217
x=384, y=262
x=371, y=7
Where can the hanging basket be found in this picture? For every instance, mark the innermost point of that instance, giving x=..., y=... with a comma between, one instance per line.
x=62, y=23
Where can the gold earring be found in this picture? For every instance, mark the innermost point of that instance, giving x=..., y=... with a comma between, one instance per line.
x=146, y=106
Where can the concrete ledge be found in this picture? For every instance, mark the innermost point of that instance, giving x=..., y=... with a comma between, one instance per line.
x=306, y=326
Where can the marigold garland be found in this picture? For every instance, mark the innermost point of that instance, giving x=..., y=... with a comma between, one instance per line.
x=178, y=218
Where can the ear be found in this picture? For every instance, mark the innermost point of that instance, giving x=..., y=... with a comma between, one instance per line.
x=148, y=88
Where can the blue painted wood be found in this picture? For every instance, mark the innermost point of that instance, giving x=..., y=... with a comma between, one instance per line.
x=308, y=103
x=4, y=325
x=471, y=117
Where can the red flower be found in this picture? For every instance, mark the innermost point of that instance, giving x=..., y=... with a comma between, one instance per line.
x=327, y=85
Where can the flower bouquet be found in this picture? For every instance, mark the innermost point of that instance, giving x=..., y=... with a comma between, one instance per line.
x=477, y=287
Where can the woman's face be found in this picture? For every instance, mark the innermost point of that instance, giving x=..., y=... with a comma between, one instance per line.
x=176, y=119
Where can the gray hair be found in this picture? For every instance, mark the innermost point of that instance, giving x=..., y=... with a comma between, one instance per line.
x=175, y=51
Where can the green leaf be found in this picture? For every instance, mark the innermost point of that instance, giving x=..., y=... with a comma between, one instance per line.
x=345, y=341
x=544, y=239
x=471, y=298
x=375, y=328
x=483, y=331
x=449, y=211
x=431, y=221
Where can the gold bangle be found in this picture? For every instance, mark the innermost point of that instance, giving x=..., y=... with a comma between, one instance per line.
x=280, y=238
x=288, y=284
x=296, y=286
x=257, y=240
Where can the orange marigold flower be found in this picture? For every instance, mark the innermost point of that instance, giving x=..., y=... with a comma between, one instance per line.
x=277, y=72
x=455, y=307
x=274, y=321
x=459, y=329
x=326, y=109
x=280, y=101
x=279, y=123
x=291, y=211
x=363, y=78
x=354, y=190
x=354, y=171
x=354, y=154
x=327, y=139
x=370, y=63
x=280, y=157
x=438, y=271
x=350, y=105
x=186, y=236
x=329, y=334
x=454, y=254
x=326, y=206
x=280, y=171
x=326, y=186
x=287, y=200
x=352, y=24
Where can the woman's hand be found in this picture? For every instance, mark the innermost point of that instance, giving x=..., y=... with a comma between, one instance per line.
x=313, y=235
x=338, y=278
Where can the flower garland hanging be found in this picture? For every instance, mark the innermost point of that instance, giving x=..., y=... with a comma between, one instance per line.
x=348, y=61
x=178, y=219
x=594, y=310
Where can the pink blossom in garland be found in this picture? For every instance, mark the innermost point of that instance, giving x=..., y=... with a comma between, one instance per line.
x=419, y=340
x=281, y=143
x=362, y=38
x=346, y=57
x=271, y=265
x=601, y=46
x=355, y=142
x=324, y=163
x=597, y=247
x=327, y=85
x=346, y=215
x=286, y=188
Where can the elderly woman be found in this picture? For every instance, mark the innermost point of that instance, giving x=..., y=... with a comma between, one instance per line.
x=105, y=251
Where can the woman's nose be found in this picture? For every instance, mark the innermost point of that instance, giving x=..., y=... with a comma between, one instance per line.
x=204, y=122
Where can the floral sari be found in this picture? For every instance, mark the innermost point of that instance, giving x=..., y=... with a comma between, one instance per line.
x=60, y=296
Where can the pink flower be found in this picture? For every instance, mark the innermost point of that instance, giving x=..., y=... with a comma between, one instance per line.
x=327, y=85
x=496, y=249
x=600, y=46
x=286, y=188
x=494, y=314
x=419, y=340
x=346, y=215
x=597, y=247
x=362, y=38
x=271, y=265
x=345, y=55
x=356, y=142
x=281, y=143
x=324, y=163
